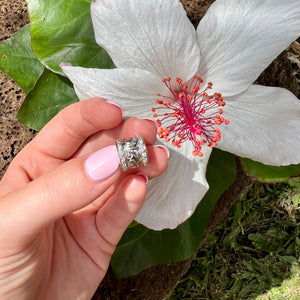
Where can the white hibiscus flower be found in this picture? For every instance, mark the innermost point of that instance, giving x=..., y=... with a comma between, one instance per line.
x=152, y=40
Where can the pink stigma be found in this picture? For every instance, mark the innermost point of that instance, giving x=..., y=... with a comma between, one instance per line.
x=189, y=114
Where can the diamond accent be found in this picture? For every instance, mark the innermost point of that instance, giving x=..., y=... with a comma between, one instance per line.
x=132, y=152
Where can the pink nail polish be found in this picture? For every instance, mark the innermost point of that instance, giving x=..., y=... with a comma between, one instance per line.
x=117, y=105
x=144, y=175
x=103, y=163
x=149, y=119
x=165, y=149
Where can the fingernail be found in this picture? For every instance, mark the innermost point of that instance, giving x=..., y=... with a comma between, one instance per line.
x=103, y=163
x=153, y=121
x=165, y=149
x=117, y=105
x=144, y=175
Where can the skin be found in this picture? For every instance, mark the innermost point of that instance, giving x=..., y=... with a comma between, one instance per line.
x=59, y=228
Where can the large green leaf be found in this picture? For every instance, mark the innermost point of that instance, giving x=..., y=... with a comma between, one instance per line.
x=18, y=61
x=134, y=232
x=62, y=32
x=141, y=248
x=269, y=173
x=51, y=94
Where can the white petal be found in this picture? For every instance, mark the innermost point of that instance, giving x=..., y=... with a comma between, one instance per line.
x=238, y=39
x=173, y=196
x=154, y=35
x=135, y=90
x=264, y=126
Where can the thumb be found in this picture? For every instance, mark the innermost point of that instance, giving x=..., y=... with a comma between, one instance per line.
x=69, y=187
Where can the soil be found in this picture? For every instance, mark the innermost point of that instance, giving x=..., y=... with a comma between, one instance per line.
x=156, y=282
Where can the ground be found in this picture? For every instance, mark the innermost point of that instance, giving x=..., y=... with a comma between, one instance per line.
x=254, y=252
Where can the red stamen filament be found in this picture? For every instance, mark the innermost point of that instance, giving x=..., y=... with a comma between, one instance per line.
x=190, y=115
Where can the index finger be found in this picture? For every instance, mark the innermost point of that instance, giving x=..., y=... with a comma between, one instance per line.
x=65, y=133
x=61, y=138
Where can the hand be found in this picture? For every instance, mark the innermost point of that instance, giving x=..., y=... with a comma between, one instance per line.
x=59, y=224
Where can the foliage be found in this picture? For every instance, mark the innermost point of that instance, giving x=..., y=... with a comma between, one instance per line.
x=51, y=94
x=269, y=173
x=18, y=61
x=58, y=32
x=62, y=31
x=255, y=250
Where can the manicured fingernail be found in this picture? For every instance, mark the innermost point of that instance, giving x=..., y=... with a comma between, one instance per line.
x=117, y=105
x=153, y=121
x=144, y=175
x=103, y=163
x=165, y=149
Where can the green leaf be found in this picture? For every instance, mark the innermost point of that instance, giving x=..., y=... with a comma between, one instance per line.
x=269, y=173
x=62, y=31
x=18, y=61
x=51, y=94
x=161, y=247
x=133, y=233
